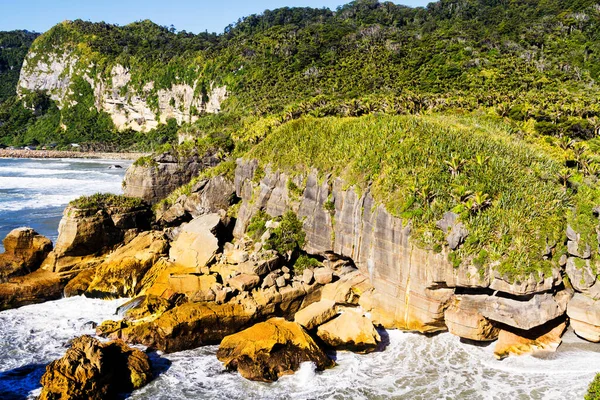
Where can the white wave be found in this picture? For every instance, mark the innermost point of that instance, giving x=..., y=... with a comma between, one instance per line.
x=55, y=184
x=27, y=171
x=411, y=367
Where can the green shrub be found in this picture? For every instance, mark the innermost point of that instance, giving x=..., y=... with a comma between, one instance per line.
x=106, y=200
x=593, y=392
x=257, y=225
x=305, y=261
x=289, y=235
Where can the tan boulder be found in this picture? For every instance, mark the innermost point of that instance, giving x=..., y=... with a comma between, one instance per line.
x=24, y=251
x=244, y=282
x=323, y=275
x=316, y=314
x=542, y=338
x=464, y=320
x=191, y=283
x=269, y=350
x=350, y=331
x=196, y=244
x=122, y=272
x=93, y=370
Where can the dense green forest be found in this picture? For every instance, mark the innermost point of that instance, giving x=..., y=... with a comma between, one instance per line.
x=533, y=61
x=13, y=48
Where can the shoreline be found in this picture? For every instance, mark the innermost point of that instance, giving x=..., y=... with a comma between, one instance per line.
x=4, y=153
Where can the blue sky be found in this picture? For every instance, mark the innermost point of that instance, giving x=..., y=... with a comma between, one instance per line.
x=192, y=16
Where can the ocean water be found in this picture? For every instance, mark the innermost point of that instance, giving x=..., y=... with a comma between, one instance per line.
x=412, y=366
x=34, y=192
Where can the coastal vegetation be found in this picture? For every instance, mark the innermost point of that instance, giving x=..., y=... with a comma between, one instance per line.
x=100, y=201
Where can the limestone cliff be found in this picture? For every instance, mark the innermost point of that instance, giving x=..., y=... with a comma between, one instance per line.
x=413, y=286
x=128, y=108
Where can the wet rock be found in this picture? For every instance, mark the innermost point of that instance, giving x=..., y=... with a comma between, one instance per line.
x=350, y=331
x=188, y=326
x=269, y=350
x=24, y=251
x=93, y=370
x=122, y=272
x=37, y=287
x=542, y=338
x=316, y=314
x=144, y=308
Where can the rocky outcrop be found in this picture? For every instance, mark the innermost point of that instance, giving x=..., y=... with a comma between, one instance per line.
x=269, y=350
x=139, y=109
x=546, y=337
x=121, y=274
x=37, y=287
x=207, y=196
x=87, y=232
x=350, y=331
x=24, y=251
x=185, y=327
x=144, y=308
x=93, y=370
x=157, y=178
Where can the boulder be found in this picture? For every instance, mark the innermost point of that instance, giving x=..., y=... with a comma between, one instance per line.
x=93, y=370
x=197, y=242
x=210, y=196
x=464, y=320
x=542, y=338
x=37, y=287
x=244, y=282
x=323, y=276
x=122, y=272
x=186, y=326
x=190, y=284
x=269, y=350
x=316, y=314
x=584, y=314
x=308, y=276
x=455, y=231
x=350, y=331
x=24, y=251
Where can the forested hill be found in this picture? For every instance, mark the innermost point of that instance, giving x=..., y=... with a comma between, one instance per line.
x=13, y=48
x=535, y=60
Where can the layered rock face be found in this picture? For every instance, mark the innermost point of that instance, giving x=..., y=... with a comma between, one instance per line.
x=24, y=251
x=413, y=287
x=165, y=173
x=129, y=108
x=93, y=370
x=83, y=233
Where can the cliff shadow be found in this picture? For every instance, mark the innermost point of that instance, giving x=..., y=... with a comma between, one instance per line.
x=17, y=383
